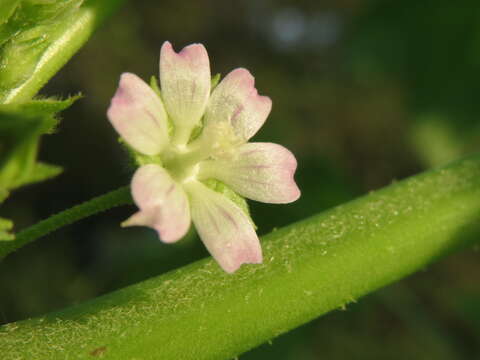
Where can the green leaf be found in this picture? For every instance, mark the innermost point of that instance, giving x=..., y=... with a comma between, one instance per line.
x=39, y=173
x=310, y=267
x=37, y=37
x=26, y=36
x=21, y=127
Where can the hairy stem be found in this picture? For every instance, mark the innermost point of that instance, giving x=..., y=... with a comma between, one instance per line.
x=98, y=204
x=310, y=267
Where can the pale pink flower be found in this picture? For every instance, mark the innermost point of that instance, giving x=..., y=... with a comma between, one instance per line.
x=170, y=186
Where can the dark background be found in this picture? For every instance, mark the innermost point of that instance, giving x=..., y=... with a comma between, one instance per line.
x=364, y=93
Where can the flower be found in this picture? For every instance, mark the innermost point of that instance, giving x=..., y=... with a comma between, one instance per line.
x=187, y=134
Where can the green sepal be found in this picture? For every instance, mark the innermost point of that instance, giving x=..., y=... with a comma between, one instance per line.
x=154, y=85
x=139, y=159
x=156, y=88
x=225, y=190
x=215, y=81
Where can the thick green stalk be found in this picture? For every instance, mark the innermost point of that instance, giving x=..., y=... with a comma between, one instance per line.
x=310, y=267
x=41, y=45
x=98, y=204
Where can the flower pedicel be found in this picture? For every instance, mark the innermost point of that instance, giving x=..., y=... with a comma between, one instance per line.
x=188, y=138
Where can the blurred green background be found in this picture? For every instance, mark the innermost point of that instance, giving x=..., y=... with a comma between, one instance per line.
x=364, y=93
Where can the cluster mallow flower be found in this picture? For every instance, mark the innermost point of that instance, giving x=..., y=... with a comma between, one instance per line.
x=190, y=140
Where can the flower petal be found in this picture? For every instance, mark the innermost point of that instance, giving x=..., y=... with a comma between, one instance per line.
x=185, y=82
x=237, y=101
x=137, y=114
x=163, y=203
x=224, y=228
x=258, y=171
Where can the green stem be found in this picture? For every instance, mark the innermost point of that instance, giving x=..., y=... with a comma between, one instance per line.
x=310, y=267
x=98, y=204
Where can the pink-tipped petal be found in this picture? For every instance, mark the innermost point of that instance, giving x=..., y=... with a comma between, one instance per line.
x=236, y=101
x=163, y=203
x=224, y=228
x=137, y=114
x=185, y=82
x=258, y=171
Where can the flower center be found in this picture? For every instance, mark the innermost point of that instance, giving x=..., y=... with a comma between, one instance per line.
x=216, y=141
x=181, y=163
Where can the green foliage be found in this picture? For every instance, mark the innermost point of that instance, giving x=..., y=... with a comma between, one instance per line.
x=27, y=35
x=21, y=127
x=310, y=267
x=37, y=37
x=433, y=46
x=432, y=49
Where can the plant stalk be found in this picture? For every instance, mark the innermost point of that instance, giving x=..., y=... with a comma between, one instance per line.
x=310, y=267
x=98, y=204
